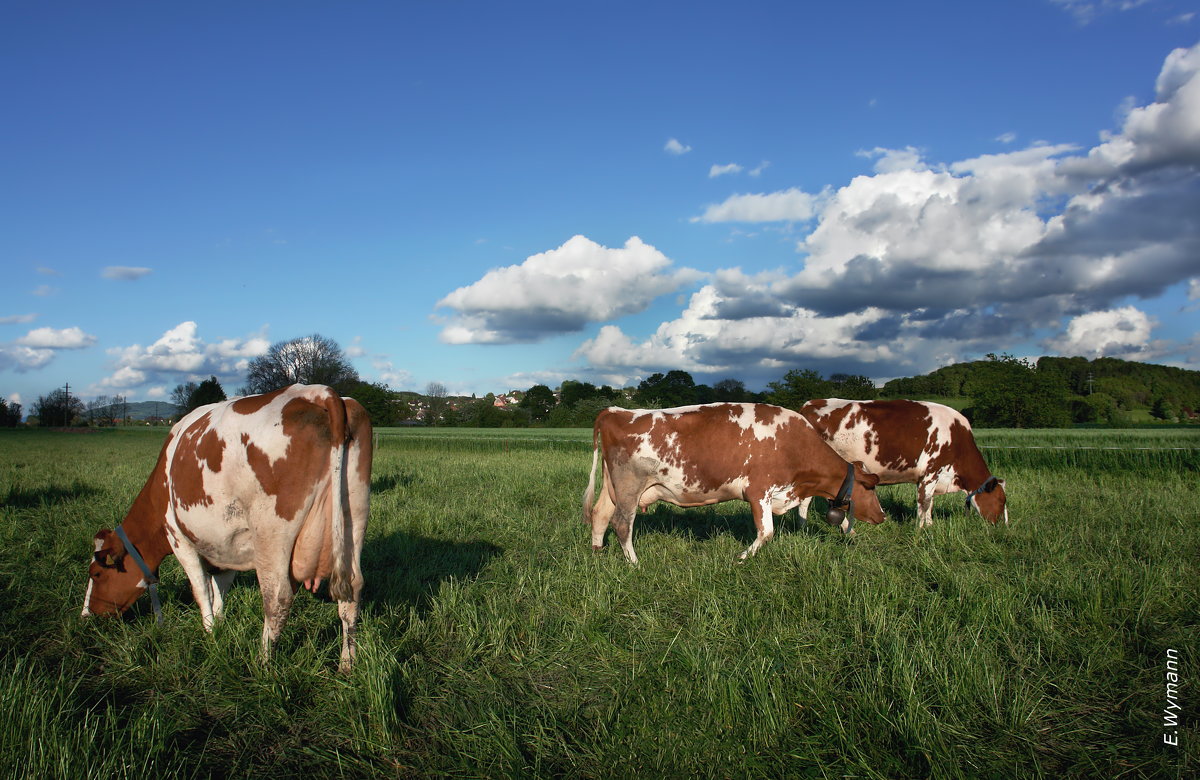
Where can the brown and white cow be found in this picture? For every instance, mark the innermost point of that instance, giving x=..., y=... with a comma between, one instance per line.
x=911, y=442
x=279, y=483
x=696, y=455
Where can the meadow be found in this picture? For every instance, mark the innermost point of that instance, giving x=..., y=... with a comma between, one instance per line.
x=494, y=643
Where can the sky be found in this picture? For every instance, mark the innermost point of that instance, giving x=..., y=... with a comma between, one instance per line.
x=496, y=195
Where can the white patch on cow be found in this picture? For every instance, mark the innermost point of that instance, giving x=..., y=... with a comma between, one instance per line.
x=87, y=599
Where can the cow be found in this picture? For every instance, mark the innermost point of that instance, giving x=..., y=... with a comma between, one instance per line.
x=911, y=442
x=279, y=483
x=765, y=455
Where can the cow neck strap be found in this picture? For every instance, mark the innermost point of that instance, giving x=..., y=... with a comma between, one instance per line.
x=847, y=488
x=844, y=497
x=150, y=579
x=979, y=490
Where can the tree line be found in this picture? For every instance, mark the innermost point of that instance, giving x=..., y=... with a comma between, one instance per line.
x=1004, y=391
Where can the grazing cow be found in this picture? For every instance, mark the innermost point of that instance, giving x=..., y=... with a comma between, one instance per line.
x=911, y=441
x=696, y=455
x=279, y=483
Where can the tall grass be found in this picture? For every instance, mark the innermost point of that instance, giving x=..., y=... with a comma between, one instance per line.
x=494, y=643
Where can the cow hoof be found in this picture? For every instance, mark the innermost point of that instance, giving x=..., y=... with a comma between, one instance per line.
x=597, y=548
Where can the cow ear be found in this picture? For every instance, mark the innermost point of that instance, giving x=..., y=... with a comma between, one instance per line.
x=109, y=549
x=991, y=485
x=868, y=480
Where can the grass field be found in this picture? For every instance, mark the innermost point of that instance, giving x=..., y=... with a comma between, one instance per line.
x=494, y=643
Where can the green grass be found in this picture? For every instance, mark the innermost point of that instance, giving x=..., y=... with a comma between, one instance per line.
x=495, y=644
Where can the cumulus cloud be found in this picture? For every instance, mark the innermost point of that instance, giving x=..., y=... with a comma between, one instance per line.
x=791, y=205
x=124, y=272
x=721, y=170
x=922, y=263
x=180, y=355
x=49, y=338
x=673, y=146
x=38, y=348
x=1120, y=333
x=560, y=291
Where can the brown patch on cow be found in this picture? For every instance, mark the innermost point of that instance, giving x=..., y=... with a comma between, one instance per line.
x=290, y=478
x=764, y=414
x=187, y=473
x=252, y=403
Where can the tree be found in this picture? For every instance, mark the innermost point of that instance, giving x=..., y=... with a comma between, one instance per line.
x=662, y=391
x=379, y=402
x=538, y=400
x=207, y=392
x=10, y=414
x=310, y=360
x=854, y=387
x=181, y=395
x=797, y=387
x=57, y=408
x=1011, y=393
x=733, y=390
x=436, y=404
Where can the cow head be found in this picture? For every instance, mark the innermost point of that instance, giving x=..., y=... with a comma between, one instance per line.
x=856, y=497
x=866, y=501
x=990, y=501
x=114, y=581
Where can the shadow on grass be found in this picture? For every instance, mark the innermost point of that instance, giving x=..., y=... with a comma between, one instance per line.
x=20, y=498
x=381, y=483
x=402, y=569
x=732, y=520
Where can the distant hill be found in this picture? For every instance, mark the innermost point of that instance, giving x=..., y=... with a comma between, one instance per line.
x=1131, y=385
x=137, y=410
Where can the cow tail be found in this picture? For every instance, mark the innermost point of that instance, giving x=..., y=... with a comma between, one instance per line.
x=339, y=433
x=591, y=485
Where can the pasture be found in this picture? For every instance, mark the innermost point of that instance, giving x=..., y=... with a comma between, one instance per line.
x=494, y=643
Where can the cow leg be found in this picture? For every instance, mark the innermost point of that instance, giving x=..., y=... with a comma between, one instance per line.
x=925, y=490
x=218, y=586
x=602, y=514
x=622, y=524
x=277, y=595
x=764, y=522
x=802, y=510
x=200, y=580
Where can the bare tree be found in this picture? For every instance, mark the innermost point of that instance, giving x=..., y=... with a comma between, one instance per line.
x=435, y=393
x=308, y=360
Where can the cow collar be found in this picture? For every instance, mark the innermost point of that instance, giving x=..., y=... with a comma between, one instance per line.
x=990, y=480
x=147, y=575
x=844, y=497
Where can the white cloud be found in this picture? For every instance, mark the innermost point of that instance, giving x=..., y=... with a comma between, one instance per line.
x=395, y=378
x=180, y=355
x=1193, y=292
x=23, y=359
x=49, y=338
x=721, y=170
x=1120, y=333
x=17, y=319
x=44, y=271
x=125, y=272
x=1006, y=138
x=44, y=290
x=356, y=349
x=15, y=398
x=762, y=166
x=560, y=291
x=893, y=160
x=921, y=264
x=792, y=205
x=673, y=146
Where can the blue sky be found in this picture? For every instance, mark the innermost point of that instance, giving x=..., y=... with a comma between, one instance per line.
x=493, y=195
